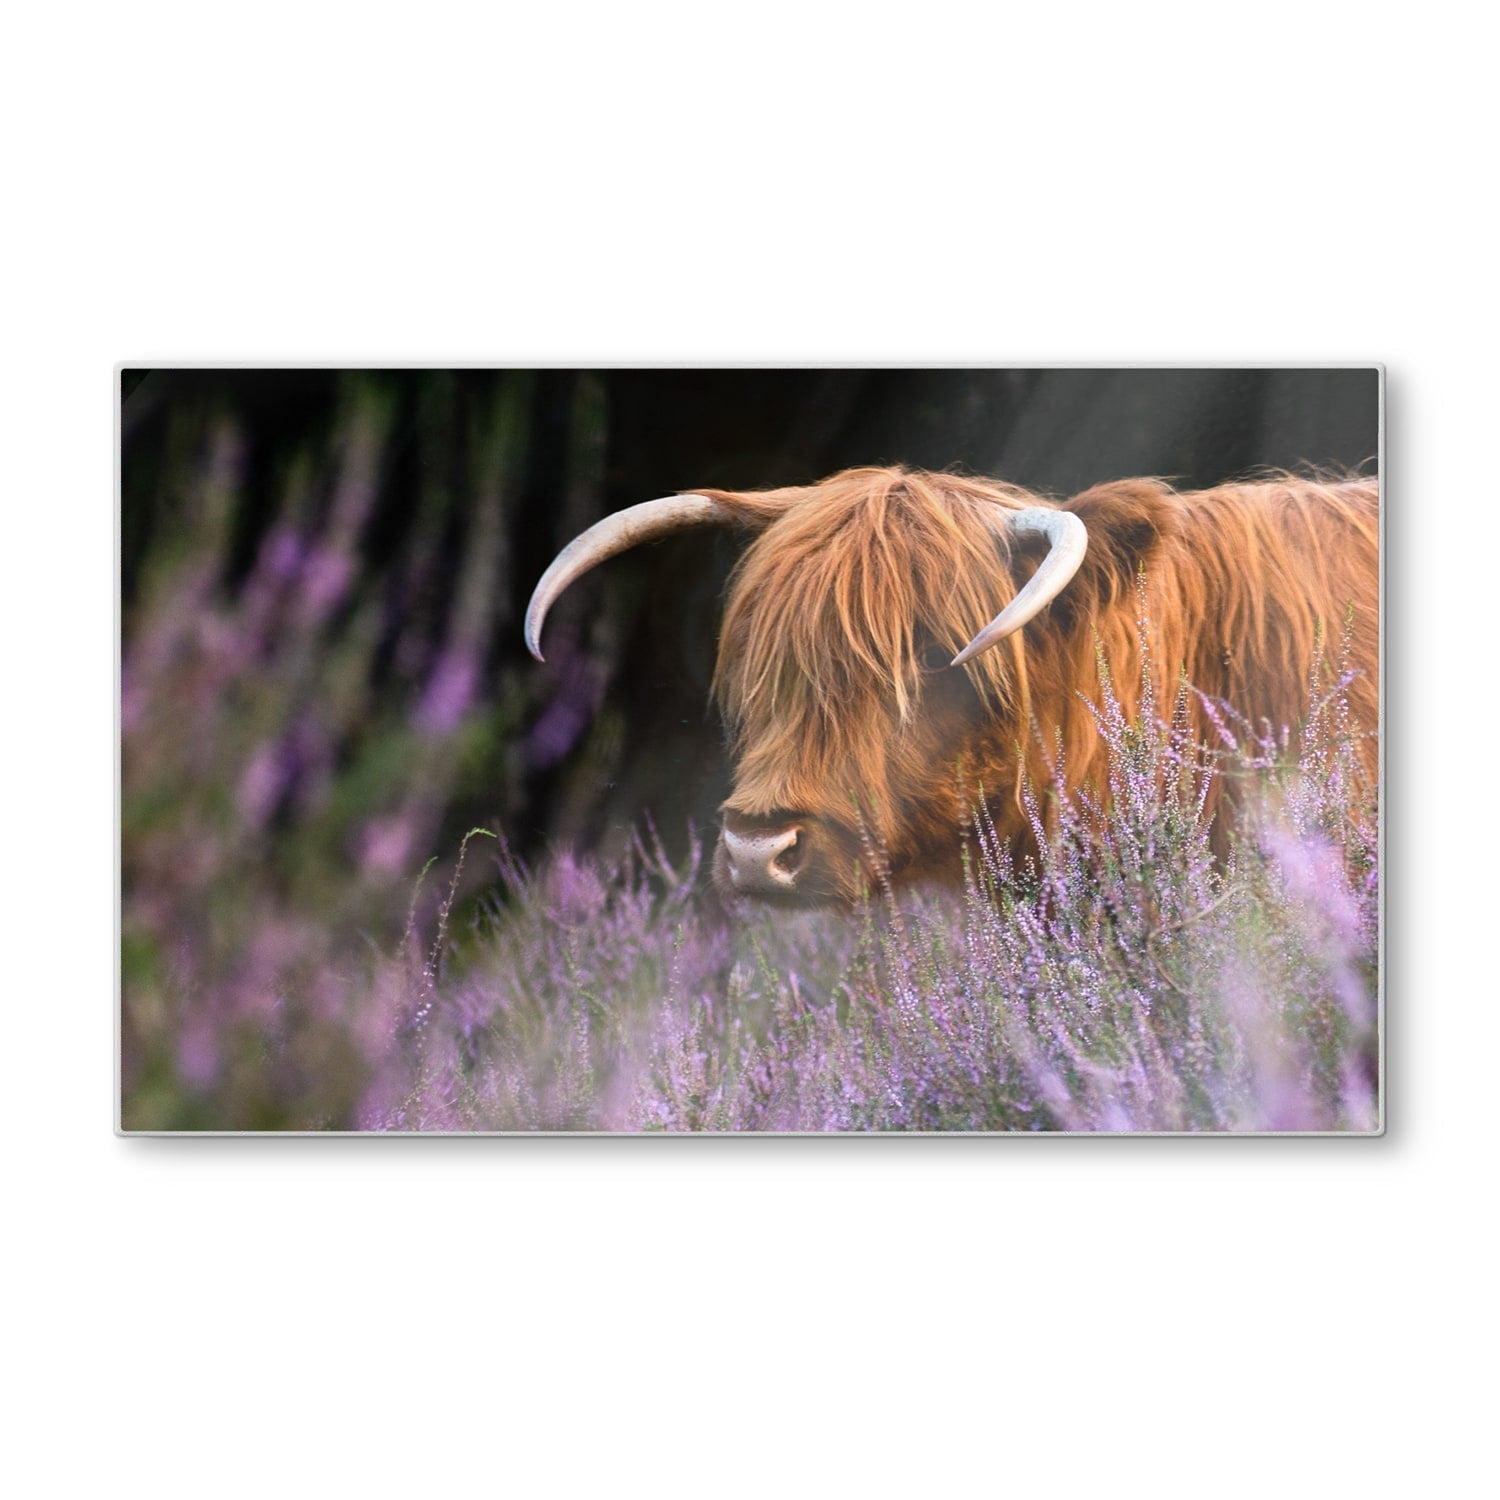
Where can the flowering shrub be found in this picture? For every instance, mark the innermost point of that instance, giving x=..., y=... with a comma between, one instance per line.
x=1123, y=981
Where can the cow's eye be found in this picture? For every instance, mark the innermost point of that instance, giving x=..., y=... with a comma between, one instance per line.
x=935, y=658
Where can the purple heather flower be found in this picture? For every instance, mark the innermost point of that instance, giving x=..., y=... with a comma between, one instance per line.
x=449, y=693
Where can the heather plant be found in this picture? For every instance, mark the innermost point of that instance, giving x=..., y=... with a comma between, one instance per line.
x=305, y=711
x=1120, y=979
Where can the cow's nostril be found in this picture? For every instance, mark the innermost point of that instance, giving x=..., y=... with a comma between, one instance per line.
x=791, y=857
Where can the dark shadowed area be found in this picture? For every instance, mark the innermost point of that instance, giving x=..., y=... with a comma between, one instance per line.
x=324, y=685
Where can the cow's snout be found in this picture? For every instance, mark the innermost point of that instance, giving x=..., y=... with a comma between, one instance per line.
x=786, y=858
x=764, y=860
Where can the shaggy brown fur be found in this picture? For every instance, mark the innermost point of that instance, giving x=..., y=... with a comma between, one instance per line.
x=844, y=613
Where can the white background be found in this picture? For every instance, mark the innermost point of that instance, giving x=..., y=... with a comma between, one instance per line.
x=769, y=183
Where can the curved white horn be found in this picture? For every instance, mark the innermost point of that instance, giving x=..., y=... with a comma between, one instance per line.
x=615, y=533
x=1069, y=540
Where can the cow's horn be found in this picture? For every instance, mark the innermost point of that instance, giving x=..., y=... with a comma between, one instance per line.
x=1070, y=541
x=616, y=533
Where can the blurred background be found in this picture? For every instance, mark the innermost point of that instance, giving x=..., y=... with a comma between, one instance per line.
x=323, y=682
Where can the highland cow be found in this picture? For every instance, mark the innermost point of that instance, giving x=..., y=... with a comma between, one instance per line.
x=870, y=708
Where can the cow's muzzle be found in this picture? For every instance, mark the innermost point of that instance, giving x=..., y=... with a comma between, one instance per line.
x=765, y=861
x=787, y=858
